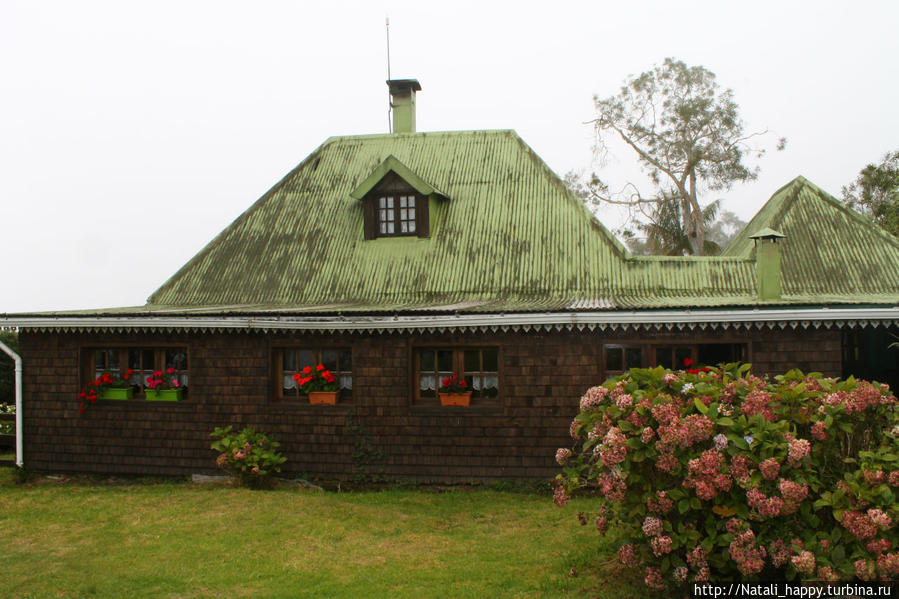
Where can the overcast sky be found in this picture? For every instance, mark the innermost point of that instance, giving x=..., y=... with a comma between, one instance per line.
x=131, y=133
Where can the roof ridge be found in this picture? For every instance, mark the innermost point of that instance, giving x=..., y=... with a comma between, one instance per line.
x=365, y=136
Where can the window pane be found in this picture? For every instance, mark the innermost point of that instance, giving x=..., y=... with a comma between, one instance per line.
x=289, y=361
x=345, y=361
x=427, y=385
x=444, y=361
x=176, y=358
x=329, y=359
x=382, y=203
x=634, y=357
x=491, y=360
x=681, y=354
x=663, y=357
x=390, y=228
x=404, y=227
x=426, y=360
x=614, y=358
x=346, y=381
x=472, y=360
x=305, y=358
x=411, y=226
x=490, y=386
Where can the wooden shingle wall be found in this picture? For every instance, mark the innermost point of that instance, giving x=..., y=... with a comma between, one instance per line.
x=542, y=376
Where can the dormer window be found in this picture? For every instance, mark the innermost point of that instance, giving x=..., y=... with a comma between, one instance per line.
x=396, y=215
x=396, y=202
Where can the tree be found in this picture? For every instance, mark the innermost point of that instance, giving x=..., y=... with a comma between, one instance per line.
x=687, y=135
x=875, y=193
x=663, y=233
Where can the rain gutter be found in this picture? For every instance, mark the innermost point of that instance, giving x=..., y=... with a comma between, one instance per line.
x=782, y=318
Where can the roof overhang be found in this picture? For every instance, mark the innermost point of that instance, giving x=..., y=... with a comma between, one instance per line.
x=645, y=320
x=392, y=164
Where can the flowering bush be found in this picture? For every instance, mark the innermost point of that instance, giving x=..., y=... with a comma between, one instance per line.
x=721, y=474
x=163, y=380
x=320, y=379
x=90, y=392
x=249, y=455
x=454, y=384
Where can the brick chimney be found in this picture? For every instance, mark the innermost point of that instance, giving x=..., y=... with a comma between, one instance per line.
x=402, y=101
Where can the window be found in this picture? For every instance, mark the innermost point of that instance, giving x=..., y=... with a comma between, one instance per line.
x=292, y=360
x=619, y=358
x=673, y=357
x=142, y=361
x=396, y=215
x=478, y=366
x=394, y=209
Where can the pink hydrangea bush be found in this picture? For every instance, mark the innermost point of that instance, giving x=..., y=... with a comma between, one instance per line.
x=250, y=456
x=717, y=474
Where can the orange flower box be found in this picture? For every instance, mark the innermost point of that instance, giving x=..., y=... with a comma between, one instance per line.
x=323, y=398
x=455, y=399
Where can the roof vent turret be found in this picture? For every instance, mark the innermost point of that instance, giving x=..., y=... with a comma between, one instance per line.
x=402, y=94
x=767, y=263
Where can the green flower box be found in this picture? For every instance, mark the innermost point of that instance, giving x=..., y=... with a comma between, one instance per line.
x=116, y=393
x=164, y=394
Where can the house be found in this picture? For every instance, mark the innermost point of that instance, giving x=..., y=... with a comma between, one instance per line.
x=397, y=259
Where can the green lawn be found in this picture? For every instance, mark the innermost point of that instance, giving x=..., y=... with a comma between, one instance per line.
x=182, y=540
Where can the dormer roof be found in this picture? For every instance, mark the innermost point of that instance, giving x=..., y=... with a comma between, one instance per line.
x=391, y=164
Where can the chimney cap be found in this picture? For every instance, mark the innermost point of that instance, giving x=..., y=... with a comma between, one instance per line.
x=400, y=85
x=768, y=233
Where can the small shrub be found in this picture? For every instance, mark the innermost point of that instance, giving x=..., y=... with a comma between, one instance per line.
x=248, y=455
x=719, y=474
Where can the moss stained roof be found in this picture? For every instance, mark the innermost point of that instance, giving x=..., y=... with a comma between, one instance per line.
x=509, y=237
x=830, y=251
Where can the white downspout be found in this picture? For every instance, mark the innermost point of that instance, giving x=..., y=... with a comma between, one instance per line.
x=18, y=360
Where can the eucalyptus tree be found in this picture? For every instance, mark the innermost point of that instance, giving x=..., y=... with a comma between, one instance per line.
x=687, y=135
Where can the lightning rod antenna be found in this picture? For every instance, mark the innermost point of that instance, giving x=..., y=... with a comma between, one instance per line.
x=389, y=104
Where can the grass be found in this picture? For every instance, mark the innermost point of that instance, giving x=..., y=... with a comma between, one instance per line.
x=181, y=540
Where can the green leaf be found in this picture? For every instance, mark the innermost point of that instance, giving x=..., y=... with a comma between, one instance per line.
x=676, y=494
x=725, y=421
x=695, y=503
x=683, y=506
x=703, y=409
x=887, y=496
x=839, y=555
x=634, y=443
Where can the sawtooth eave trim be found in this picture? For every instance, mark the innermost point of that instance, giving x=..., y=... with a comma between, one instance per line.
x=636, y=320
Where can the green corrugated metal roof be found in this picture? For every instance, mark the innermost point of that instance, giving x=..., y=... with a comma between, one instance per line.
x=829, y=249
x=510, y=238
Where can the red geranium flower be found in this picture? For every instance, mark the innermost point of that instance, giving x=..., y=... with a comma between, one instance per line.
x=462, y=383
x=307, y=370
x=688, y=362
x=171, y=370
x=320, y=367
